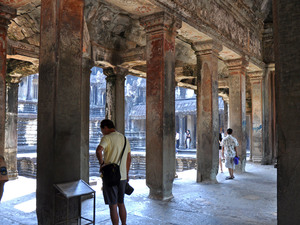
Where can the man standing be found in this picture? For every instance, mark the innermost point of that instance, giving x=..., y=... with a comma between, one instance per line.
x=112, y=144
x=229, y=145
x=177, y=140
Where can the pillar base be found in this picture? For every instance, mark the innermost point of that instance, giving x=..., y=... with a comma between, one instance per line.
x=158, y=195
x=241, y=167
x=13, y=175
x=256, y=159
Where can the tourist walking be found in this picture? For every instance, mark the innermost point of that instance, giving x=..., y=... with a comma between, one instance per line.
x=229, y=151
x=109, y=151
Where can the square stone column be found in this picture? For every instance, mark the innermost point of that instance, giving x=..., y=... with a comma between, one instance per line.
x=11, y=123
x=207, y=110
x=160, y=103
x=270, y=133
x=115, y=96
x=287, y=66
x=6, y=14
x=225, y=115
x=257, y=115
x=237, y=106
x=62, y=139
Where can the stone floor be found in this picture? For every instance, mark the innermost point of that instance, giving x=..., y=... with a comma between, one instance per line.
x=248, y=199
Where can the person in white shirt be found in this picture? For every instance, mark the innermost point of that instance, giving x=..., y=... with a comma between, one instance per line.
x=229, y=151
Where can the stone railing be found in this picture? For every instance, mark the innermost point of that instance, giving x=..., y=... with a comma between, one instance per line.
x=27, y=165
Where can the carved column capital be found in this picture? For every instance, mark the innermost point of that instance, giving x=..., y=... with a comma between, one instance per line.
x=6, y=14
x=121, y=72
x=160, y=21
x=256, y=76
x=13, y=79
x=108, y=71
x=207, y=47
x=237, y=65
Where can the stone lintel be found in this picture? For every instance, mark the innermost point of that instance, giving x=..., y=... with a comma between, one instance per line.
x=160, y=21
x=24, y=49
x=207, y=47
x=101, y=55
x=134, y=57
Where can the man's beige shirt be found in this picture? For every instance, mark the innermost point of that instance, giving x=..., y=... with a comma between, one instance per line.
x=113, y=144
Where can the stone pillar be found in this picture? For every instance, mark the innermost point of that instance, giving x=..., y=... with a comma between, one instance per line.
x=270, y=142
x=29, y=85
x=62, y=152
x=160, y=99
x=11, y=134
x=237, y=106
x=115, y=97
x=6, y=14
x=287, y=58
x=257, y=115
x=110, y=105
x=225, y=116
x=193, y=131
x=181, y=131
x=207, y=110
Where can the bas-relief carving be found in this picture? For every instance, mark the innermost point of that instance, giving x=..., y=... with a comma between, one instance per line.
x=216, y=16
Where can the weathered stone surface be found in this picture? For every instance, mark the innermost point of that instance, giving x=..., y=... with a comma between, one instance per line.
x=26, y=26
x=237, y=106
x=160, y=100
x=207, y=110
x=256, y=79
x=11, y=130
x=17, y=69
x=62, y=153
x=7, y=14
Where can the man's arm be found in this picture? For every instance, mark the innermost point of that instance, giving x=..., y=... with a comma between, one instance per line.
x=99, y=154
x=235, y=151
x=128, y=162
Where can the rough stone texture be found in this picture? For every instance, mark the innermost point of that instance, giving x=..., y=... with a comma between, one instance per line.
x=256, y=79
x=287, y=57
x=160, y=100
x=17, y=69
x=6, y=14
x=26, y=26
x=62, y=154
x=237, y=107
x=207, y=111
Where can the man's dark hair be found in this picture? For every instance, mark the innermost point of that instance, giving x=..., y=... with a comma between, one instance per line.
x=229, y=131
x=107, y=123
